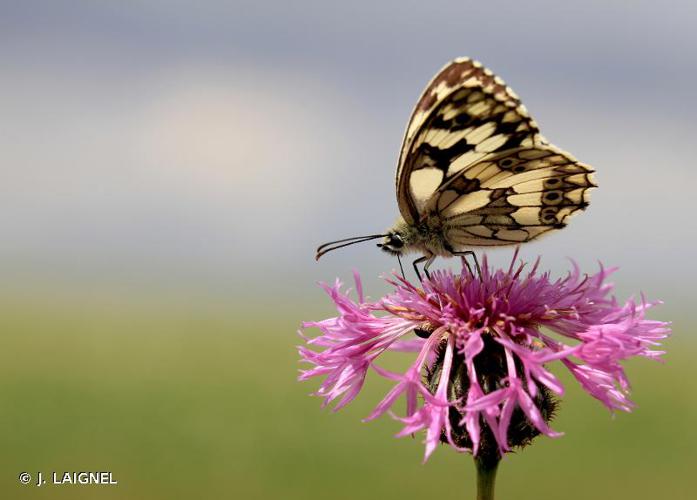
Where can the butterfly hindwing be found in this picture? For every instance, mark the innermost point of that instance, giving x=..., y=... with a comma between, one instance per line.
x=513, y=197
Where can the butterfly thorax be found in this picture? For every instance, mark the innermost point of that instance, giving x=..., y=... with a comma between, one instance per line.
x=426, y=237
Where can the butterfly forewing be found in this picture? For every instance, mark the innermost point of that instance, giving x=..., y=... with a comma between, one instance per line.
x=473, y=157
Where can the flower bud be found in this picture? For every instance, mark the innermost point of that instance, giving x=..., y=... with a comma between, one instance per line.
x=492, y=374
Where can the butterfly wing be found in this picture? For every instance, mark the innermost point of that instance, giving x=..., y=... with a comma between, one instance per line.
x=468, y=157
x=464, y=114
x=513, y=197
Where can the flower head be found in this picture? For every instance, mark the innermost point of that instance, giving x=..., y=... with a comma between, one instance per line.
x=479, y=381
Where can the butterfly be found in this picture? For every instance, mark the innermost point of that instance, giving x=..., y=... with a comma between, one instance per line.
x=474, y=170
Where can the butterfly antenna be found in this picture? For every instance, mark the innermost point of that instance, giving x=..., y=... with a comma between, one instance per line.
x=333, y=245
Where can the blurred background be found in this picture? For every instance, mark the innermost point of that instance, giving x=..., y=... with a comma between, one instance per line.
x=167, y=169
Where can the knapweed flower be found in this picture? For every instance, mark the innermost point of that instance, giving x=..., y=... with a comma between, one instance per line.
x=479, y=381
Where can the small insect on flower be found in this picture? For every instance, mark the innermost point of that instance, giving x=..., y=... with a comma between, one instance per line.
x=480, y=381
x=474, y=170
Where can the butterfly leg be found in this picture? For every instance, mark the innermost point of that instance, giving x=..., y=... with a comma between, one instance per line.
x=428, y=259
x=428, y=265
x=400, y=266
x=474, y=257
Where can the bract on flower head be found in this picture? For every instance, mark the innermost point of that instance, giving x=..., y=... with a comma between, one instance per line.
x=479, y=381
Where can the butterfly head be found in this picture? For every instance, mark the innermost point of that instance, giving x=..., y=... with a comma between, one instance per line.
x=397, y=241
x=393, y=243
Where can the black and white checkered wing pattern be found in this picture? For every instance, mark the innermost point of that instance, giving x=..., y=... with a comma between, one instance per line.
x=473, y=157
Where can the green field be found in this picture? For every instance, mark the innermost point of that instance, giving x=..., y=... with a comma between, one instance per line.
x=191, y=400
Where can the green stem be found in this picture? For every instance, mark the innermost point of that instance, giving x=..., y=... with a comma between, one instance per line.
x=486, y=476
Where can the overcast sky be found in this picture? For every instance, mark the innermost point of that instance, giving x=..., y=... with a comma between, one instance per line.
x=212, y=143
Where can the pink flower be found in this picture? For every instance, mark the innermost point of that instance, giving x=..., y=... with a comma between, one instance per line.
x=479, y=381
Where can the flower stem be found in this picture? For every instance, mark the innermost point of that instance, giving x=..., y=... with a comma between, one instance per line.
x=486, y=475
